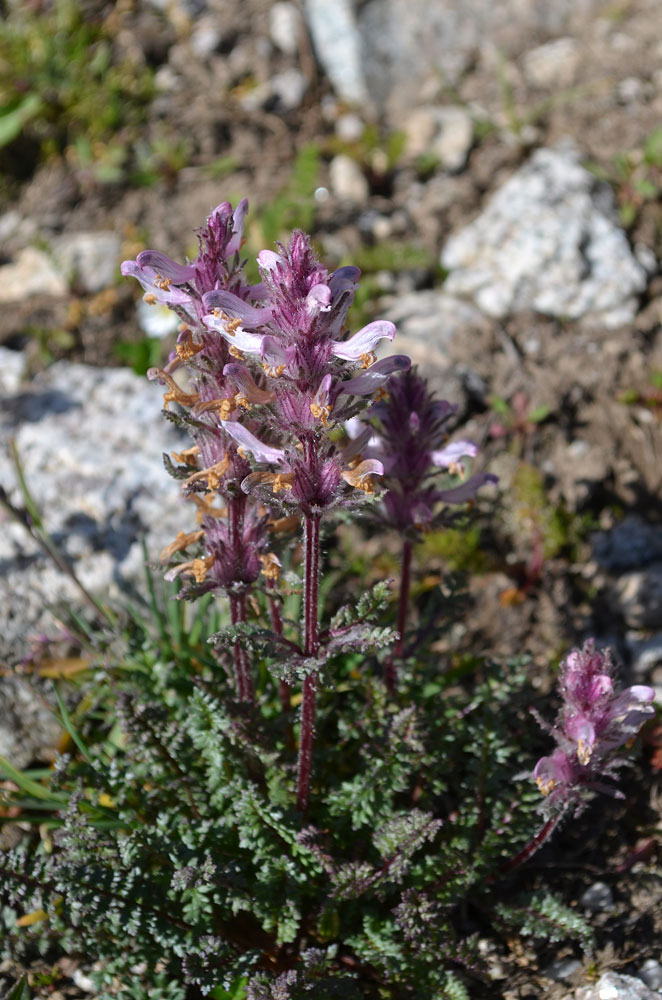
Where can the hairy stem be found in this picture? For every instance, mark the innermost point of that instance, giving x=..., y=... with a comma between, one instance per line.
x=543, y=835
x=311, y=538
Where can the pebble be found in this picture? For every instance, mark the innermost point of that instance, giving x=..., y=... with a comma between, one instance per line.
x=349, y=127
x=32, y=272
x=637, y=597
x=285, y=26
x=598, y=898
x=347, y=180
x=446, y=133
x=337, y=44
x=289, y=88
x=206, y=36
x=90, y=260
x=554, y=64
x=562, y=968
x=548, y=240
x=651, y=974
x=645, y=655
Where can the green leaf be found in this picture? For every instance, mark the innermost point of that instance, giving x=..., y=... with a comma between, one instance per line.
x=26, y=785
x=21, y=991
x=237, y=990
x=65, y=720
x=12, y=122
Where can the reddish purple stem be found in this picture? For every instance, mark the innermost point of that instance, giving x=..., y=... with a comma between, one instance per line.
x=543, y=834
x=311, y=539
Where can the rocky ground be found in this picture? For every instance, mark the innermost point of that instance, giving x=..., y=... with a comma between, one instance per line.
x=496, y=171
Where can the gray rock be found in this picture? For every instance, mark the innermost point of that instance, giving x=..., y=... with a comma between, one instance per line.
x=548, y=241
x=554, y=64
x=446, y=133
x=637, y=596
x=90, y=260
x=597, y=898
x=630, y=544
x=285, y=26
x=412, y=49
x=337, y=43
x=347, y=180
x=645, y=656
x=651, y=974
x=90, y=443
x=32, y=273
x=613, y=986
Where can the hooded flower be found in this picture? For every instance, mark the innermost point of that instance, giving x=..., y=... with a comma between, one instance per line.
x=411, y=443
x=298, y=336
x=593, y=723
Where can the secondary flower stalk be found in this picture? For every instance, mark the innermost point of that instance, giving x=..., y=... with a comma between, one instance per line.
x=411, y=443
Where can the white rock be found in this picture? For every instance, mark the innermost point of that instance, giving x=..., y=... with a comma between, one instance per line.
x=347, y=180
x=285, y=26
x=446, y=133
x=289, y=88
x=31, y=273
x=613, y=986
x=337, y=43
x=90, y=260
x=548, y=241
x=349, y=127
x=90, y=442
x=206, y=36
x=12, y=371
x=554, y=64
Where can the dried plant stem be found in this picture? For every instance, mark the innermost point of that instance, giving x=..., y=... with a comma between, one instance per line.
x=311, y=536
x=242, y=668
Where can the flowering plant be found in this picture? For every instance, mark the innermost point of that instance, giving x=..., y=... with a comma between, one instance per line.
x=313, y=807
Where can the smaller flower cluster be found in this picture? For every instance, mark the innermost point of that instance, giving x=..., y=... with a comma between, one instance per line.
x=412, y=446
x=594, y=723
